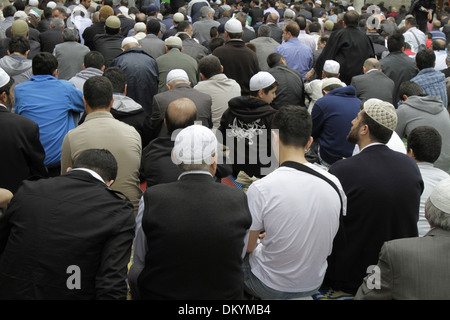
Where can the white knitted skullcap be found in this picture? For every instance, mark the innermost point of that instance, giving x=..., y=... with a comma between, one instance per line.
x=194, y=145
x=4, y=78
x=331, y=66
x=177, y=75
x=440, y=196
x=381, y=112
x=261, y=80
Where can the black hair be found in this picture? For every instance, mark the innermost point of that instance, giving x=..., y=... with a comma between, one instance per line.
x=98, y=92
x=44, y=63
x=117, y=77
x=294, y=125
x=18, y=44
x=426, y=143
x=101, y=161
x=209, y=66
x=94, y=59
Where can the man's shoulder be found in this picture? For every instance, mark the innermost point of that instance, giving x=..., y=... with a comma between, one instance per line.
x=16, y=120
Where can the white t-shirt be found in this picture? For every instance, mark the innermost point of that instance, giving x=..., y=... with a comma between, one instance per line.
x=300, y=214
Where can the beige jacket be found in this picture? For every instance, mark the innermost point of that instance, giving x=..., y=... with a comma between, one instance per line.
x=100, y=130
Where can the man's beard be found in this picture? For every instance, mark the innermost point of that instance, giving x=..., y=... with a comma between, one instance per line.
x=352, y=136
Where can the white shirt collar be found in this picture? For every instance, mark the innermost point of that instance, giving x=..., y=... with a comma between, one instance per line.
x=194, y=172
x=93, y=173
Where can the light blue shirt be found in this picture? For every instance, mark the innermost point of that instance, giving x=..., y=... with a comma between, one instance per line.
x=52, y=104
x=297, y=55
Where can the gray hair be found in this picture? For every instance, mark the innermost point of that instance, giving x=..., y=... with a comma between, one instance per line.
x=437, y=217
x=288, y=13
x=264, y=31
x=206, y=10
x=184, y=167
x=56, y=23
x=70, y=34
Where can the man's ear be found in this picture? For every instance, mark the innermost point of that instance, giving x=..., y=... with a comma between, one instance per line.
x=109, y=182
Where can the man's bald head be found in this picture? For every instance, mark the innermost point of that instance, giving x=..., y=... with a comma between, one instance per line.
x=180, y=114
x=371, y=63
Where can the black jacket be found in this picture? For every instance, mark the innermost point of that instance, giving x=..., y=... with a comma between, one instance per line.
x=196, y=254
x=247, y=124
x=22, y=152
x=110, y=46
x=55, y=224
x=291, y=89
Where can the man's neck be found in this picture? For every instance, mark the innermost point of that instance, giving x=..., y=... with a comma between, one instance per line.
x=292, y=154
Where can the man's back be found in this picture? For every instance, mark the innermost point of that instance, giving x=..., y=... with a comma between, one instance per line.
x=350, y=47
x=432, y=83
x=161, y=101
x=154, y=46
x=70, y=56
x=407, y=263
x=108, y=45
x=201, y=29
x=101, y=130
x=373, y=84
x=383, y=190
x=23, y=154
x=221, y=89
x=291, y=89
x=299, y=226
x=297, y=55
x=426, y=111
x=56, y=225
x=205, y=243
x=332, y=117
x=142, y=75
x=51, y=103
x=174, y=59
x=241, y=69
x=264, y=47
x=398, y=67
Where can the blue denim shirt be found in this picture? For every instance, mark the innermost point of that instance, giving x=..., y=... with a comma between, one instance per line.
x=51, y=103
x=298, y=56
x=432, y=83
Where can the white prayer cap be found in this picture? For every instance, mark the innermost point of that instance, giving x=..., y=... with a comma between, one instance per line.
x=440, y=196
x=233, y=26
x=178, y=17
x=4, y=78
x=350, y=8
x=331, y=80
x=51, y=4
x=177, y=75
x=261, y=80
x=174, y=41
x=124, y=10
x=194, y=145
x=319, y=2
x=129, y=40
x=139, y=27
x=33, y=3
x=331, y=66
x=20, y=15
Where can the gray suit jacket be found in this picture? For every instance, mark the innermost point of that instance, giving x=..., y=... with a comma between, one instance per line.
x=70, y=56
x=174, y=59
x=264, y=47
x=373, y=84
x=154, y=124
x=154, y=46
x=412, y=268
